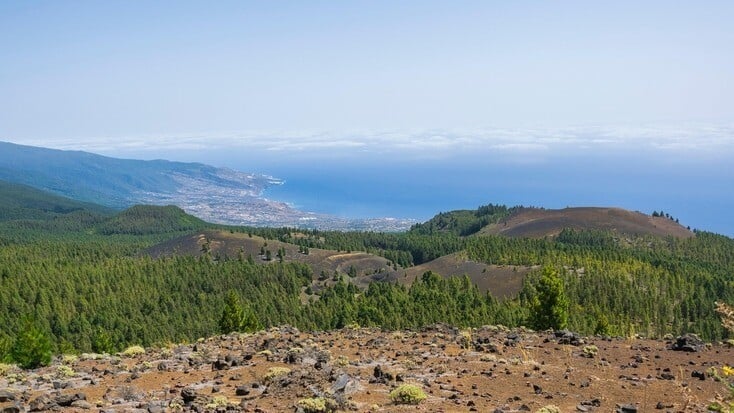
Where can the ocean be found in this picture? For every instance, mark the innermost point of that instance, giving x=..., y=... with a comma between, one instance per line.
x=699, y=196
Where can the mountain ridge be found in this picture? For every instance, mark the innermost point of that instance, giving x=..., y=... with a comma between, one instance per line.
x=214, y=194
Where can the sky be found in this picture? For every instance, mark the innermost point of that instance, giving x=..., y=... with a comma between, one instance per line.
x=548, y=103
x=88, y=70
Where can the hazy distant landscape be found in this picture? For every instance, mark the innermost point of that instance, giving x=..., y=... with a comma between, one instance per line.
x=413, y=176
x=322, y=207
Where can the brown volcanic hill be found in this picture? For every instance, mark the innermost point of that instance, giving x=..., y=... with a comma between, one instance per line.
x=368, y=267
x=538, y=223
x=501, y=280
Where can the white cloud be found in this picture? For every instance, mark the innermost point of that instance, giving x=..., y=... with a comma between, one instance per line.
x=687, y=140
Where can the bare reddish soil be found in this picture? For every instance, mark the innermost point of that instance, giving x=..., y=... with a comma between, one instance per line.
x=538, y=223
x=489, y=369
x=502, y=281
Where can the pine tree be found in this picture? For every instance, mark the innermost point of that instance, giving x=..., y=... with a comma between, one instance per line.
x=235, y=317
x=32, y=347
x=549, y=306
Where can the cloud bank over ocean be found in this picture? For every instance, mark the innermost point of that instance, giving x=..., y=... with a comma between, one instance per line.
x=690, y=141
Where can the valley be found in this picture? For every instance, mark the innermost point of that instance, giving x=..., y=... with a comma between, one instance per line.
x=464, y=306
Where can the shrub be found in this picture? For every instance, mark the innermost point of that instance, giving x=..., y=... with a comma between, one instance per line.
x=218, y=401
x=32, y=348
x=726, y=312
x=408, y=394
x=313, y=405
x=133, y=351
x=65, y=371
x=590, y=350
x=275, y=372
x=69, y=358
x=7, y=368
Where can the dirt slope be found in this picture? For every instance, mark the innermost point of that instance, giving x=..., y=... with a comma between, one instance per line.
x=500, y=280
x=538, y=223
x=223, y=244
x=486, y=370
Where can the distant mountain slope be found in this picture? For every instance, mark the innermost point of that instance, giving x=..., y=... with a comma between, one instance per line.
x=115, y=182
x=218, y=195
x=24, y=202
x=538, y=223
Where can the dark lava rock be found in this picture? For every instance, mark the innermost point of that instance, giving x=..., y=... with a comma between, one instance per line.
x=188, y=395
x=6, y=395
x=65, y=400
x=698, y=375
x=11, y=409
x=626, y=408
x=41, y=403
x=512, y=339
x=568, y=337
x=593, y=403
x=242, y=391
x=381, y=376
x=537, y=389
x=688, y=342
x=661, y=406
x=221, y=364
x=667, y=376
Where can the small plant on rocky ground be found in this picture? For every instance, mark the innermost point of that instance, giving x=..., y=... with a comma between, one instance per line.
x=65, y=371
x=549, y=409
x=275, y=372
x=466, y=339
x=218, y=401
x=590, y=351
x=69, y=358
x=133, y=351
x=7, y=368
x=408, y=394
x=726, y=312
x=315, y=405
x=342, y=361
x=725, y=404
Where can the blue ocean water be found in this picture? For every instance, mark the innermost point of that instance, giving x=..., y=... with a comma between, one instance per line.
x=696, y=190
x=698, y=195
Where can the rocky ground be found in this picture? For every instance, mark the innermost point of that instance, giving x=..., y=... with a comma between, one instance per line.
x=490, y=369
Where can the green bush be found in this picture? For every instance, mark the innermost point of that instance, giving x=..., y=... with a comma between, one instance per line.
x=133, y=351
x=32, y=347
x=408, y=394
x=313, y=405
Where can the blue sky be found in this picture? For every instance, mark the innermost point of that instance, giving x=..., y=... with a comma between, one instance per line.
x=549, y=103
x=92, y=70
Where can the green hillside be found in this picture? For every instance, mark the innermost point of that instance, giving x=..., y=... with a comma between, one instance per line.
x=148, y=219
x=23, y=202
x=463, y=222
x=90, y=287
x=113, y=182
